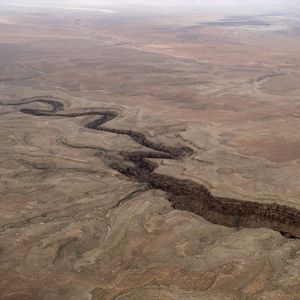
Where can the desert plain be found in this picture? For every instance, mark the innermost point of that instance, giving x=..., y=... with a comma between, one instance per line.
x=149, y=153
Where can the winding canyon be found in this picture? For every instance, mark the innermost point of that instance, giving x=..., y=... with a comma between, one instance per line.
x=149, y=151
x=183, y=194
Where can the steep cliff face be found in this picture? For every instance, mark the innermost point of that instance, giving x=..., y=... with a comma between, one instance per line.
x=183, y=194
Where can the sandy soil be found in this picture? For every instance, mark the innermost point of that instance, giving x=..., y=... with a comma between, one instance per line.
x=72, y=227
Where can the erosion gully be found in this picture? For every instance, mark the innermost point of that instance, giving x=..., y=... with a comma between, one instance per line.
x=184, y=194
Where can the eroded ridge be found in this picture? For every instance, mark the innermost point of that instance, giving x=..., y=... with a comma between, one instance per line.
x=183, y=194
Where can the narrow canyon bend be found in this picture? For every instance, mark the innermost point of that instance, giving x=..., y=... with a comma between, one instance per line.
x=149, y=150
x=183, y=194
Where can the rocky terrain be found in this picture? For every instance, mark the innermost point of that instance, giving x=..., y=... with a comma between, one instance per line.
x=147, y=155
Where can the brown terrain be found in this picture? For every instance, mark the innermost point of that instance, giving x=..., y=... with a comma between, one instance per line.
x=148, y=154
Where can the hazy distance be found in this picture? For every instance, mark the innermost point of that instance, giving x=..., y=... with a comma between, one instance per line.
x=207, y=6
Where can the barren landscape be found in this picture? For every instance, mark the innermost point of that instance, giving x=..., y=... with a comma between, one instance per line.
x=149, y=153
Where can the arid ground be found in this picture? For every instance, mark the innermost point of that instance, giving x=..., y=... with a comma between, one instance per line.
x=149, y=154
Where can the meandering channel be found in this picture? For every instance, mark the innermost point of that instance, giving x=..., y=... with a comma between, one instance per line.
x=183, y=194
